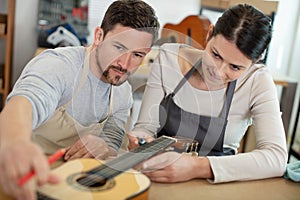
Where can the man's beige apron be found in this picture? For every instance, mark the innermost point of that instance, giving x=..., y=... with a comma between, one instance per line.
x=61, y=130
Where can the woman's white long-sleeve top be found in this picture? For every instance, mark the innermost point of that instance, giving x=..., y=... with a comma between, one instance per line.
x=255, y=101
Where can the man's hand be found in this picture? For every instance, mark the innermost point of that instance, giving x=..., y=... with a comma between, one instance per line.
x=17, y=159
x=89, y=146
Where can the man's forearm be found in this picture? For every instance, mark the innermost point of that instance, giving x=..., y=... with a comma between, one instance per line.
x=112, y=134
x=16, y=120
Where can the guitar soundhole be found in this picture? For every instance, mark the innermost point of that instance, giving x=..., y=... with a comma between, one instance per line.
x=89, y=182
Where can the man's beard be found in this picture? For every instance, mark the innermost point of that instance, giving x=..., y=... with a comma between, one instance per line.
x=117, y=79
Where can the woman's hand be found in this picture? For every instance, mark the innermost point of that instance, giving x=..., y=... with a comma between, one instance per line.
x=173, y=167
x=133, y=139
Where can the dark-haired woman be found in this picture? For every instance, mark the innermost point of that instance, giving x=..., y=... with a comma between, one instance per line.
x=212, y=96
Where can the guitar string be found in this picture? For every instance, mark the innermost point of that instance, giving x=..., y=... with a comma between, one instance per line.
x=106, y=171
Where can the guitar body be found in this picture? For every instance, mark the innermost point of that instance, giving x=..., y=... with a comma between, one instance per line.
x=128, y=185
x=192, y=30
x=115, y=179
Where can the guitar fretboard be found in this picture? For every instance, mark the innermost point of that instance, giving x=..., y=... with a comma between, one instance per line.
x=132, y=158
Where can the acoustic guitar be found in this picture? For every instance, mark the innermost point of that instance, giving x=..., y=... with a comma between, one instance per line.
x=192, y=30
x=85, y=179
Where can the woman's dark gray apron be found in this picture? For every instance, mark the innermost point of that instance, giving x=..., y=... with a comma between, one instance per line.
x=206, y=130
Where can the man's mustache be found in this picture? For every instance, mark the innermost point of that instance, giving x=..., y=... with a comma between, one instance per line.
x=125, y=71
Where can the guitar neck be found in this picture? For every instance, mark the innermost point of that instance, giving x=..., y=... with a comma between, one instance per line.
x=132, y=158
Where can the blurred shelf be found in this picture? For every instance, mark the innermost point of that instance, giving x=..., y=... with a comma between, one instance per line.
x=7, y=34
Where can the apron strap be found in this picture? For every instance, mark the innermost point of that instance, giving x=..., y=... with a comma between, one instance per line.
x=229, y=94
x=229, y=91
x=111, y=106
x=86, y=67
x=85, y=71
x=187, y=76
